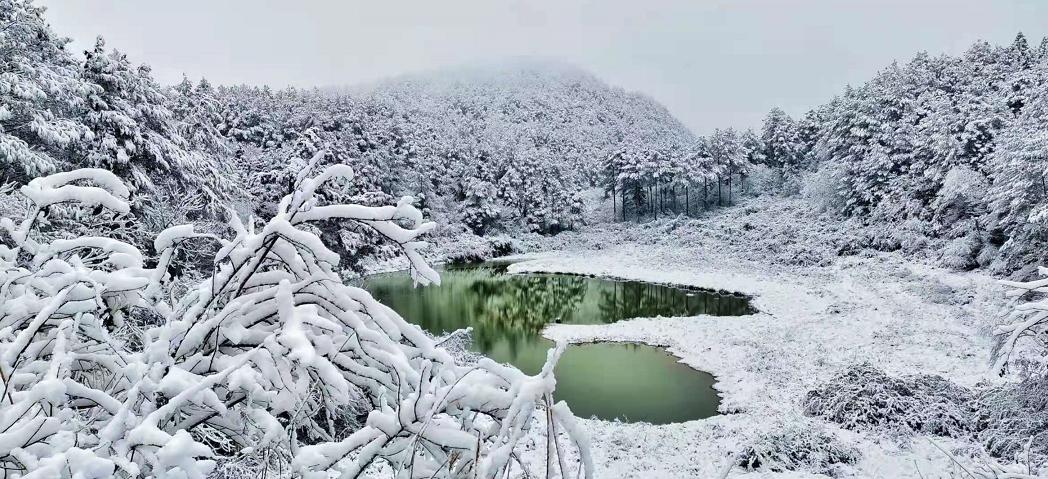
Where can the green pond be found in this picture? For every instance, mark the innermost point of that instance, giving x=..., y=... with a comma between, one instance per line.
x=627, y=381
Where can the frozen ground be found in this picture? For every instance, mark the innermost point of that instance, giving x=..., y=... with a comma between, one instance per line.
x=816, y=316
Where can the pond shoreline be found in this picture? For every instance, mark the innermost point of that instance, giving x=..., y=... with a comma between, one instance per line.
x=682, y=287
x=608, y=379
x=810, y=323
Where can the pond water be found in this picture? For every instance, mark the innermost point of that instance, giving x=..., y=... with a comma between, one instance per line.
x=628, y=381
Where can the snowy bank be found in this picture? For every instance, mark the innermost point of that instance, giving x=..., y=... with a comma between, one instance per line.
x=812, y=322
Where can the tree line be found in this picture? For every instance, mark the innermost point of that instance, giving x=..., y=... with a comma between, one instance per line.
x=709, y=171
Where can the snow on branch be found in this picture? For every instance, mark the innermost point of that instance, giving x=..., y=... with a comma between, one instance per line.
x=1028, y=320
x=266, y=354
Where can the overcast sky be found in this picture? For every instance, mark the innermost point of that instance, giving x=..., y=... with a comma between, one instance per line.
x=712, y=62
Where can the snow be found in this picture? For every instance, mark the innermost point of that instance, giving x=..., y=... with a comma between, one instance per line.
x=166, y=238
x=812, y=321
x=57, y=188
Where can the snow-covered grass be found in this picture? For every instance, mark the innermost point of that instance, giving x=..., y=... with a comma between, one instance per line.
x=818, y=313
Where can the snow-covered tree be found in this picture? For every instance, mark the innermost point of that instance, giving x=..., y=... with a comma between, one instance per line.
x=728, y=151
x=780, y=143
x=41, y=93
x=479, y=208
x=198, y=113
x=536, y=133
x=135, y=134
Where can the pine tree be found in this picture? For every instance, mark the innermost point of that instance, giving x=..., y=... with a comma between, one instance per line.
x=40, y=94
x=198, y=115
x=780, y=143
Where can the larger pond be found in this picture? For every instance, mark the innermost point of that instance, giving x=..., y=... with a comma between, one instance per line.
x=631, y=382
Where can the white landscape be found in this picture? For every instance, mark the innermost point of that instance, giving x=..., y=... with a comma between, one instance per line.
x=475, y=265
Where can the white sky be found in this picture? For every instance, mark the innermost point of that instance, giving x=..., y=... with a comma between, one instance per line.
x=712, y=62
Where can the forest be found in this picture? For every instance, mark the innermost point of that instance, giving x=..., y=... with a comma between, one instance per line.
x=181, y=267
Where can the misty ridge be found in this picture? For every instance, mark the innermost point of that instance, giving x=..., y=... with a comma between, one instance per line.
x=397, y=278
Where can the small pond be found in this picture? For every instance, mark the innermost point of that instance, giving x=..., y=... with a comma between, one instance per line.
x=628, y=381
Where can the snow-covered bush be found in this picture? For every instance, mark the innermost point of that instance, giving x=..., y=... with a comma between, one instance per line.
x=961, y=253
x=987, y=468
x=823, y=188
x=1013, y=420
x=763, y=179
x=1009, y=421
x=982, y=466
x=460, y=245
x=863, y=397
x=264, y=354
x=798, y=445
x=910, y=236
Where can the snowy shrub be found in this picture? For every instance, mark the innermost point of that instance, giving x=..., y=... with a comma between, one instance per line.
x=863, y=397
x=961, y=253
x=1016, y=416
x=266, y=354
x=823, y=189
x=803, y=255
x=798, y=446
x=909, y=236
x=982, y=466
x=793, y=185
x=764, y=180
x=1009, y=421
x=462, y=246
x=987, y=468
x=1013, y=420
x=987, y=255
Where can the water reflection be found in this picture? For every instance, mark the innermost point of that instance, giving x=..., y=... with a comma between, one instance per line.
x=508, y=312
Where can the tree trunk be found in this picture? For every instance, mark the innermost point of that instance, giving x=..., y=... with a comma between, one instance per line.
x=705, y=194
x=624, y=202
x=687, y=201
x=661, y=191
x=655, y=200
x=654, y=203
x=720, y=197
x=729, y=190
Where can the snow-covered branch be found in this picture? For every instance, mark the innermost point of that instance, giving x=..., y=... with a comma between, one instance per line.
x=269, y=352
x=1028, y=320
